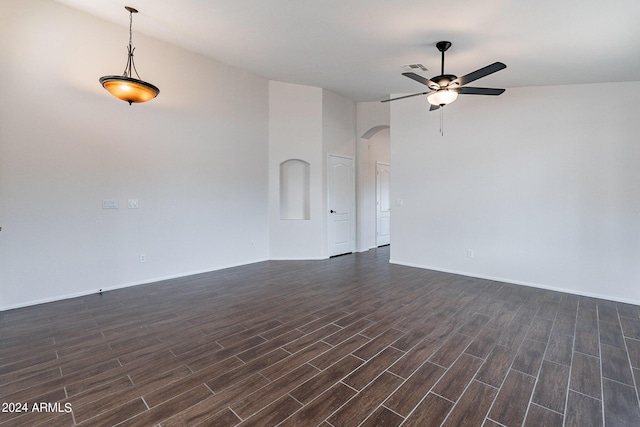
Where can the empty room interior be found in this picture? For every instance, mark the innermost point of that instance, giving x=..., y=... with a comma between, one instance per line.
x=356, y=213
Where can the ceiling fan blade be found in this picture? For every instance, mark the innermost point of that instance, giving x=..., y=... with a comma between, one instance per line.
x=406, y=96
x=468, y=90
x=477, y=74
x=423, y=80
x=433, y=107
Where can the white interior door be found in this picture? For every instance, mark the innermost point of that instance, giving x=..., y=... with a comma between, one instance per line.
x=383, y=204
x=341, y=205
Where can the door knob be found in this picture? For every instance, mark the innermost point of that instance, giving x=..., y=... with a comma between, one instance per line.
x=332, y=211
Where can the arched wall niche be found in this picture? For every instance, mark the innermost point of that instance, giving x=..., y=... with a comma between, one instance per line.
x=295, y=190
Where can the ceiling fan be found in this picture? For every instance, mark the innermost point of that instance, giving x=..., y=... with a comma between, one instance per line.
x=445, y=88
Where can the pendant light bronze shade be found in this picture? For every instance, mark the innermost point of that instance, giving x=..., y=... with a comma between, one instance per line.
x=126, y=87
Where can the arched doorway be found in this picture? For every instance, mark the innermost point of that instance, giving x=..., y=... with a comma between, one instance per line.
x=373, y=152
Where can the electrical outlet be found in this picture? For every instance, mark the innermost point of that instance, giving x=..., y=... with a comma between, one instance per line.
x=470, y=253
x=143, y=258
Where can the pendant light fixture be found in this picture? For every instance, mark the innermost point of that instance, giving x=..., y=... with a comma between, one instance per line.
x=126, y=87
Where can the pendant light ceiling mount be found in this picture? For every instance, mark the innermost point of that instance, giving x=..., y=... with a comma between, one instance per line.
x=126, y=87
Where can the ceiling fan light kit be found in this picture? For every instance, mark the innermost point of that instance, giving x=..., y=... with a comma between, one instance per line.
x=126, y=87
x=442, y=97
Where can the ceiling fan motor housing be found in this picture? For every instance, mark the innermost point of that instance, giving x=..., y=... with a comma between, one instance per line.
x=443, y=80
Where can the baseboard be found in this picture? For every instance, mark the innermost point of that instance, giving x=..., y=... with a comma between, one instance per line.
x=124, y=285
x=391, y=261
x=518, y=282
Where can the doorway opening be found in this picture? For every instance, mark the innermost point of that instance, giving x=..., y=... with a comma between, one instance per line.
x=374, y=189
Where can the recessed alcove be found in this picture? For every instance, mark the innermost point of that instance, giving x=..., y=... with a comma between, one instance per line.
x=295, y=194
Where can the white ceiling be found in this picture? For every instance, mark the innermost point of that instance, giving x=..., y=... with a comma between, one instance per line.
x=357, y=48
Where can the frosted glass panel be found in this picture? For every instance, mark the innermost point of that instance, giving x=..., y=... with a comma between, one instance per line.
x=294, y=189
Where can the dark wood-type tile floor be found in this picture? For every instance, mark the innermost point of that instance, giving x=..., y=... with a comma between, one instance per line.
x=350, y=341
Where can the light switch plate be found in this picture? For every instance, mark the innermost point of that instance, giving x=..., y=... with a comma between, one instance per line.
x=109, y=204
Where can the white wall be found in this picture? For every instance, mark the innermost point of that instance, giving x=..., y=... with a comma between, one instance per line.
x=195, y=158
x=295, y=132
x=541, y=183
x=338, y=124
x=380, y=148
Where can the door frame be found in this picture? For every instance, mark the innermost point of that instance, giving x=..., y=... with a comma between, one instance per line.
x=352, y=217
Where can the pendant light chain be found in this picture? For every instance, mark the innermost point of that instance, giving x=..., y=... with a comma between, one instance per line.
x=131, y=66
